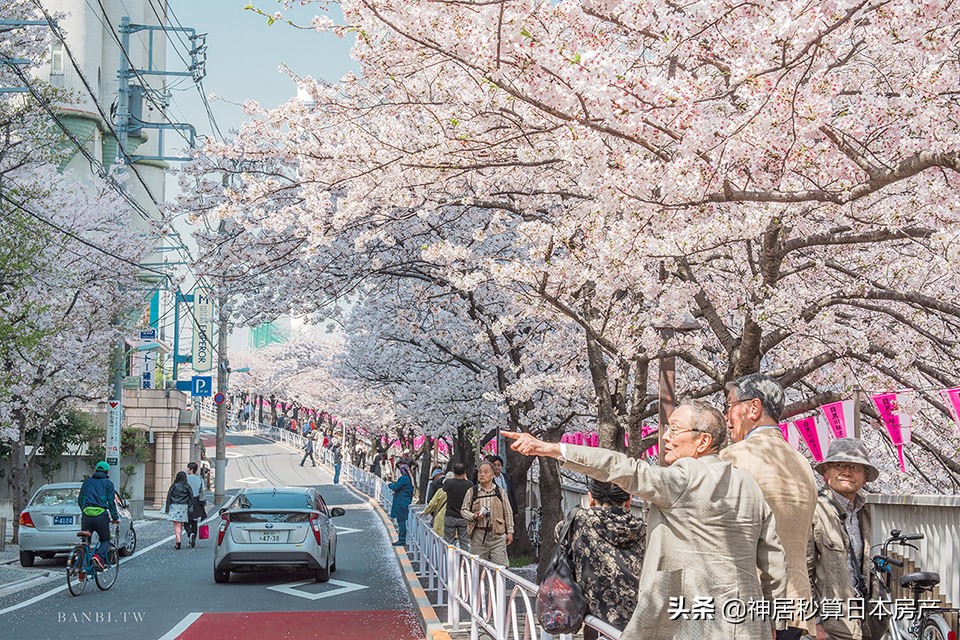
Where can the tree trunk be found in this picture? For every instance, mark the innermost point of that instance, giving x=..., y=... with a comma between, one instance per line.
x=517, y=468
x=19, y=481
x=551, y=504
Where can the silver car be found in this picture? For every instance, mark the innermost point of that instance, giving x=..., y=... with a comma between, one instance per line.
x=51, y=520
x=276, y=528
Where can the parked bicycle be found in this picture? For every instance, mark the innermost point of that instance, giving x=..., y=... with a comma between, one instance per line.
x=533, y=530
x=927, y=623
x=81, y=569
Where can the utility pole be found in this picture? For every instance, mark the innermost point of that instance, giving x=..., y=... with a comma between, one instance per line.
x=223, y=376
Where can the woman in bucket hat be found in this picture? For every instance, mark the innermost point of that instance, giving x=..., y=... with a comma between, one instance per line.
x=838, y=554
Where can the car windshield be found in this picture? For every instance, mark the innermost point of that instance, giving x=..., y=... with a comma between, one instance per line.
x=52, y=497
x=275, y=501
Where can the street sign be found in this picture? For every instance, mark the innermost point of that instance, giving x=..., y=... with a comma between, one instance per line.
x=148, y=335
x=185, y=385
x=219, y=398
x=202, y=329
x=114, y=421
x=202, y=386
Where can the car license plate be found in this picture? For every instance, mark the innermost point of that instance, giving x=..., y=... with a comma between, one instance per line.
x=269, y=537
x=62, y=519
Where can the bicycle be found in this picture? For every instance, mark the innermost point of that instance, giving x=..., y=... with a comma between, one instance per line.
x=533, y=530
x=927, y=623
x=80, y=565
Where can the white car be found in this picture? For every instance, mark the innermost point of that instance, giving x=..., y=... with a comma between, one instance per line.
x=51, y=520
x=276, y=528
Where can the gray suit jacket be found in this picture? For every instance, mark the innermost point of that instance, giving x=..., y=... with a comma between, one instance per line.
x=710, y=535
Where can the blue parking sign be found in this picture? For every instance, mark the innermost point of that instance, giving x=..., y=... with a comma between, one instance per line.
x=202, y=386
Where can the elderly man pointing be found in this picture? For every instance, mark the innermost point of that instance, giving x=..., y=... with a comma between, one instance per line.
x=712, y=538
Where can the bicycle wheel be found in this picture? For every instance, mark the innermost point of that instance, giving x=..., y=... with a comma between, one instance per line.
x=76, y=578
x=934, y=628
x=107, y=577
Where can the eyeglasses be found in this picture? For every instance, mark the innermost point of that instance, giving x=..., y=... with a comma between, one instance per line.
x=673, y=431
x=728, y=405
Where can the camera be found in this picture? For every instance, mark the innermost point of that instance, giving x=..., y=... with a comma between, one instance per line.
x=484, y=511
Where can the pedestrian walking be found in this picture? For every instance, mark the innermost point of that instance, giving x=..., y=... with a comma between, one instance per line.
x=454, y=524
x=204, y=468
x=311, y=438
x=436, y=482
x=197, y=510
x=179, y=497
x=489, y=518
x=337, y=453
x=402, y=497
x=437, y=507
x=754, y=406
x=711, y=535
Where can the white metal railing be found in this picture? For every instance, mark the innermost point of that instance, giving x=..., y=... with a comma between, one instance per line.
x=499, y=602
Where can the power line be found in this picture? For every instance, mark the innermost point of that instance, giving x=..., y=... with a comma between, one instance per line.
x=70, y=234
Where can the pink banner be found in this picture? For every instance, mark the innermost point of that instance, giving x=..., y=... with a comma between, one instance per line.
x=839, y=417
x=790, y=435
x=889, y=411
x=952, y=398
x=807, y=428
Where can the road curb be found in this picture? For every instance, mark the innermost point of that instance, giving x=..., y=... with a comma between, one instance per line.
x=432, y=625
x=21, y=584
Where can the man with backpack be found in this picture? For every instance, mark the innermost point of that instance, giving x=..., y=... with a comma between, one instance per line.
x=489, y=518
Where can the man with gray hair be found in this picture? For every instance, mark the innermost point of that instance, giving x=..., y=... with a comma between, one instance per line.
x=711, y=537
x=754, y=405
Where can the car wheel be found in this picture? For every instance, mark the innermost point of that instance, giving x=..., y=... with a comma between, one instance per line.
x=333, y=565
x=221, y=576
x=130, y=543
x=323, y=573
x=26, y=558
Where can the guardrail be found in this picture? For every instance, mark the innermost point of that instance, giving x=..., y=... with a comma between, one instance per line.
x=497, y=601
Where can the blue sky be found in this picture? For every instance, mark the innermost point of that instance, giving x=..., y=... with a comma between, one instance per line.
x=244, y=54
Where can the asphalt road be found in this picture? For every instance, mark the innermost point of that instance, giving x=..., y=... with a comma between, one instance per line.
x=167, y=593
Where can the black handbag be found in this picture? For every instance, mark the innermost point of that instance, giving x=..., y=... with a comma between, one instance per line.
x=561, y=605
x=197, y=509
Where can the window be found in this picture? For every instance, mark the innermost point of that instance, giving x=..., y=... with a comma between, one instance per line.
x=56, y=59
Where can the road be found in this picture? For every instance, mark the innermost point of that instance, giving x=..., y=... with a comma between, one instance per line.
x=166, y=593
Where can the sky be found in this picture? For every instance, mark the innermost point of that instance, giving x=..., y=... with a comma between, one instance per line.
x=244, y=55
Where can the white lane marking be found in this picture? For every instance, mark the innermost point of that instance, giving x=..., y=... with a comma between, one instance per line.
x=353, y=506
x=252, y=480
x=182, y=626
x=290, y=589
x=232, y=454
x=342, y=531
x=47, y=594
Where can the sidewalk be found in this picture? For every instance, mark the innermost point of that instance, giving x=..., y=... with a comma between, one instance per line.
x=13, y=577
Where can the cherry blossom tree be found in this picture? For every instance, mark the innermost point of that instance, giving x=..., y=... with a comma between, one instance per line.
x=784, y=171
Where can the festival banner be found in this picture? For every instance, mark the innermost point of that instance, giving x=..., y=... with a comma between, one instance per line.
x=839, y=417
x=952, y=398
x=807, y=428
x=897, y=425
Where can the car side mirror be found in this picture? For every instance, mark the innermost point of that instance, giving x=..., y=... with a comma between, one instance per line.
x=336, y=512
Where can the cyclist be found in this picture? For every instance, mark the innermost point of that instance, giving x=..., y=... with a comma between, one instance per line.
x=95, y=501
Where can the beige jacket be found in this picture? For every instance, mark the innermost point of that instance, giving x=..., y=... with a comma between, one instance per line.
x=501, y=515
x=437, y=506
x=710, y=534
x=827, y=564
x=787, y=482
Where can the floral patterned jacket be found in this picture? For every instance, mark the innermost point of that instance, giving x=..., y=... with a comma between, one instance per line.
x=606, y=554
